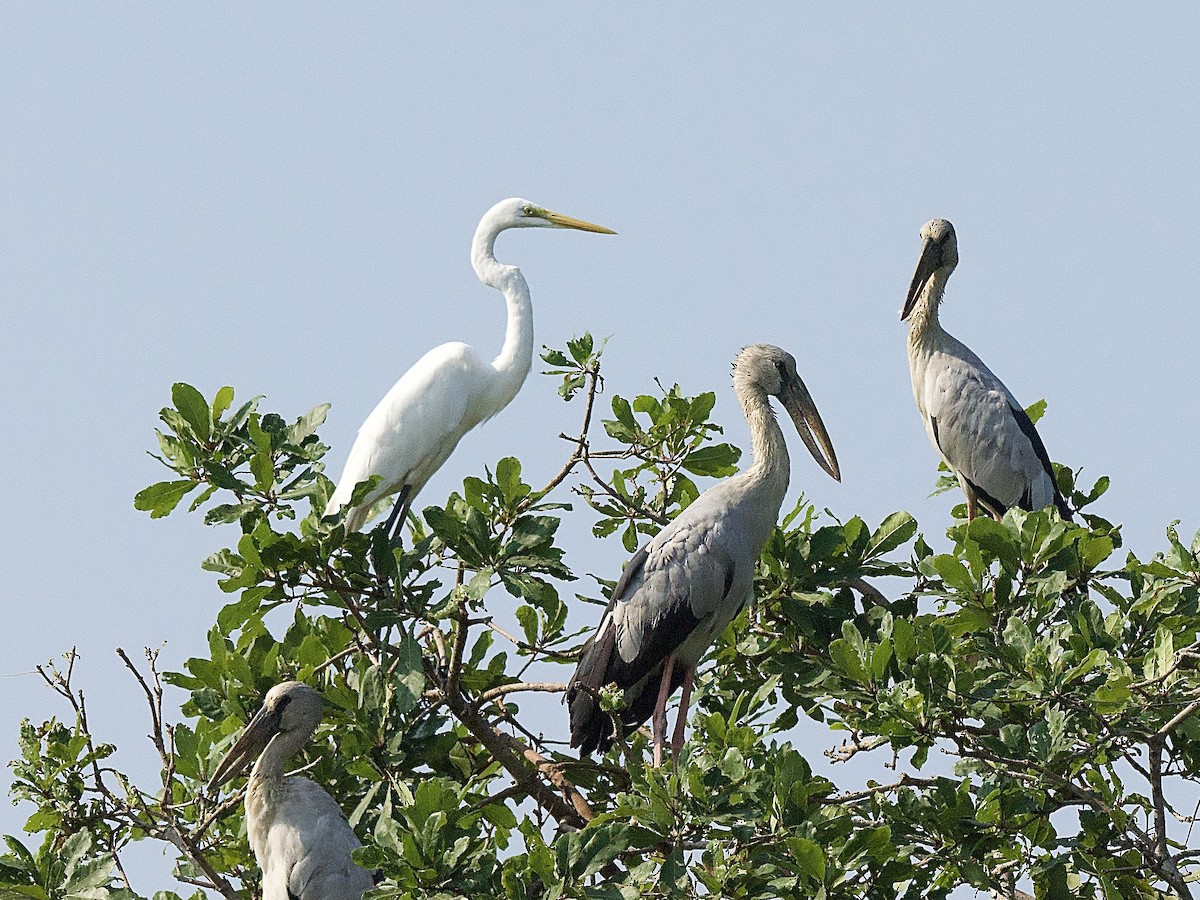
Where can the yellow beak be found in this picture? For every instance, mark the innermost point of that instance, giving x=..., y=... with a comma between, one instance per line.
x=567, y=222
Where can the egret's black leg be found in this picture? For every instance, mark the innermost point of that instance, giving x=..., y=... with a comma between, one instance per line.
x=399, y=512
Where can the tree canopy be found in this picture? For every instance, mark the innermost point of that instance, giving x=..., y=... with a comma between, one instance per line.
x=1027, y=698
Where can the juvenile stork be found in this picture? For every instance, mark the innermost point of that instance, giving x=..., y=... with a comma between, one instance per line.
x=687, y=584
x=452, y=388
x=974, y=422
x=298, y=833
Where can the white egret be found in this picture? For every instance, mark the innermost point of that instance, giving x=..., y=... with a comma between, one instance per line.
x=974, y=422
x=298, y=833
x=687, y=584
x=451, y=389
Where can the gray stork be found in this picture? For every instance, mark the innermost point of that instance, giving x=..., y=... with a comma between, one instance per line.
x=687, y=584
x=974, y=422
x=298, y=833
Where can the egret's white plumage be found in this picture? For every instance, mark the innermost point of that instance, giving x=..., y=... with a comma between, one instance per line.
x=683, y=588
x=452, y=388
x=298, y=833
x=982, y=433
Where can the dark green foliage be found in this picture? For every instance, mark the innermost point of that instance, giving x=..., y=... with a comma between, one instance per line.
x=1028, y=696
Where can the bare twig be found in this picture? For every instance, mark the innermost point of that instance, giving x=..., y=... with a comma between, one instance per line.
x=549, y=687
x=849, y=749
x=906, y=780
x=169, y=829
x=525, y=645
x=581, y=443
x=869, y=591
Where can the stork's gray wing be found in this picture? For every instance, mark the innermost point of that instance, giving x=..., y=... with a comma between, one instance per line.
x=985, y=436
x=682, y=584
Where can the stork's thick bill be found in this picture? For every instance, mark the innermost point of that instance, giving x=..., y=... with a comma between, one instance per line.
x=803, y=411
x=258, y=733
x=931, y=259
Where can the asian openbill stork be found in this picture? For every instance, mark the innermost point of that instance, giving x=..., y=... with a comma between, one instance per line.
x=982, y=433
x=298, y=833
x=686, y=585
x=452, y=388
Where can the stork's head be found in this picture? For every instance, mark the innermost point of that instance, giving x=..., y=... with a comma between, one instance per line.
x=517, y=213
x=939, y=254
x=289, y=715
x=772, y=371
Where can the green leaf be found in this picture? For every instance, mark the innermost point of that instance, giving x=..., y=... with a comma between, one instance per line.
x=528, y=618
x=894, y=531
x=848, y=661
x=409, y=676
x=554, y=358
x=716, y=460
x=904, y=641
x=954, y=573
x=508, y=478
x=1018, y=636
x=809, y=858
x=263, y=470
x=221, y=403
x=193, y=407
x=996, y=540
x=307, y=424
x=580, y=348
x=159, y=499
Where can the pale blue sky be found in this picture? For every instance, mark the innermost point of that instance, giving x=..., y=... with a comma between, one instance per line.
x=283, y=200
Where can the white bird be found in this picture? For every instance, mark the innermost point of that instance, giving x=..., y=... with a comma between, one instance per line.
x=298, y=833
x=689, y=582
x=451, y=389
x=982, y=433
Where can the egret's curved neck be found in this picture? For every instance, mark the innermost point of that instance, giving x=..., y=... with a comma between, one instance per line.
x=282, y=747
x=924, y=322
x=771, y=467
x=516, y=356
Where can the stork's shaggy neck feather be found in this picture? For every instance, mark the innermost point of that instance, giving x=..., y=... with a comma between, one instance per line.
x=771, y=464
x=924, y=324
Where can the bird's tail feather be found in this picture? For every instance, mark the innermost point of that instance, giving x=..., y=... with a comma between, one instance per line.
x=591, y=727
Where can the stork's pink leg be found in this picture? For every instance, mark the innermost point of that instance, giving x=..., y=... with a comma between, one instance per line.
x=681, y=717
x=659, y=722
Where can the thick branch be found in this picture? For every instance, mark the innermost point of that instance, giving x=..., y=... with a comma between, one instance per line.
x=501, y=745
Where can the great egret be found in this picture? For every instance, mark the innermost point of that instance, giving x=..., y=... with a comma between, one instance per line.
x=982, y=433
x=687, y=584
x=297, y=831
x=451, y=389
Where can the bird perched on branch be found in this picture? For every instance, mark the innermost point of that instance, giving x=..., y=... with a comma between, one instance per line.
x=298, y=833
x=689, y=582
x=452, y=388
x=974, y=422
